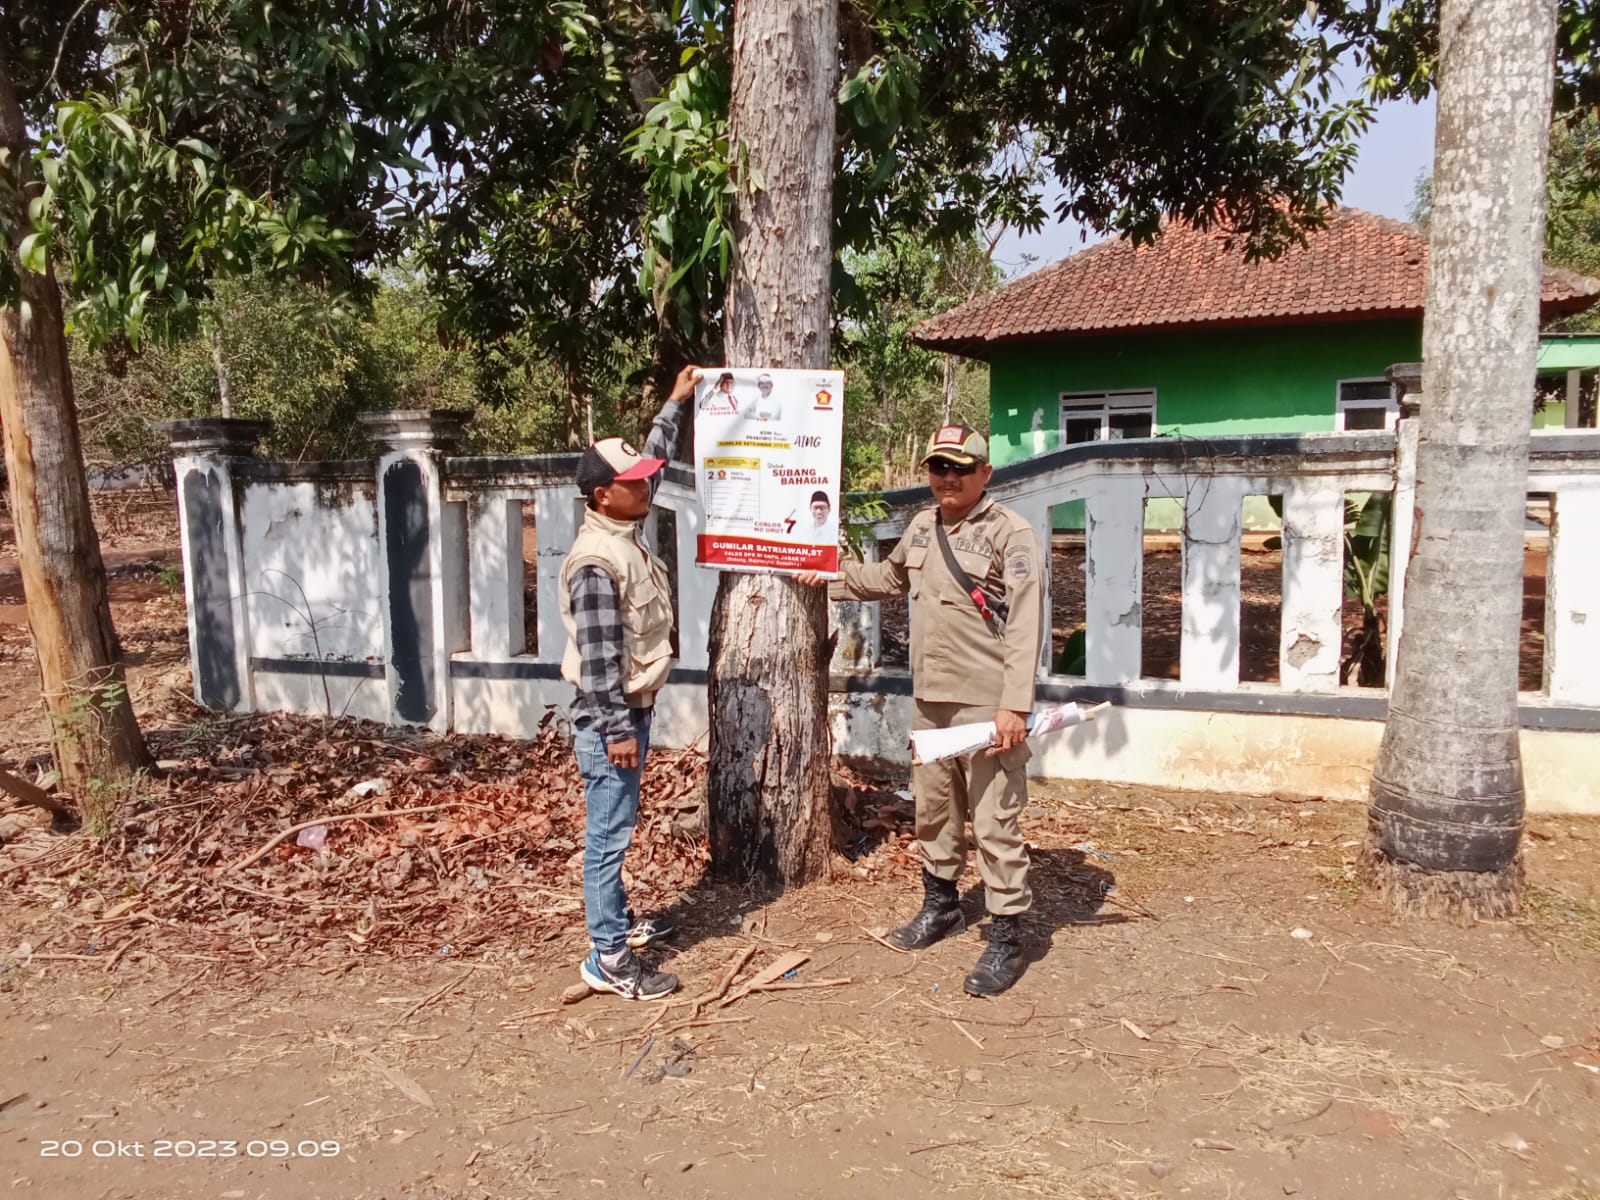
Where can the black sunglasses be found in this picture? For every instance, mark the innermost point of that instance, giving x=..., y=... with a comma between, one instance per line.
x=943, y=466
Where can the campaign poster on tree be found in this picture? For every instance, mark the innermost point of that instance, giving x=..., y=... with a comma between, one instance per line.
x=767, y=449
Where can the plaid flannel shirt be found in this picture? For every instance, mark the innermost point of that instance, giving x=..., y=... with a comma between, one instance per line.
x=596, y=610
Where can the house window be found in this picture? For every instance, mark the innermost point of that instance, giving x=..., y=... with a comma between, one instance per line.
x=1107, y=416
x=1365, y=404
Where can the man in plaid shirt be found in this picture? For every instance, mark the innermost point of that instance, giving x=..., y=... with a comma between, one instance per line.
x=616, y=603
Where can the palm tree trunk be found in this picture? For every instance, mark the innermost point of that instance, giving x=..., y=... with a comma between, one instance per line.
x=768, y=798
x=1447, y=794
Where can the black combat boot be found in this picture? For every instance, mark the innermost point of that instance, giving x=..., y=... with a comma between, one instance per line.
x=939, y=918
x=1001, y=962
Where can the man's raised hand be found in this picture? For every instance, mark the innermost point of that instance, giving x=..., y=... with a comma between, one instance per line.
x=683, y=386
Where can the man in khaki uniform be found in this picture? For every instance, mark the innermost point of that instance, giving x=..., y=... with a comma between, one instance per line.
x=975, y=644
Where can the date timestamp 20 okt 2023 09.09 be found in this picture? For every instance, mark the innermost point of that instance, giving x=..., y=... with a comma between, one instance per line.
x=186, y=1148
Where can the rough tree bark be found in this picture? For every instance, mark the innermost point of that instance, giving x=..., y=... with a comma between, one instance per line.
x=63, y=577
x=768, y=796
x=1447, y=793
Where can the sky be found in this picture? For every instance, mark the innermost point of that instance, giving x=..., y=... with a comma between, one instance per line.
x=1395, y=150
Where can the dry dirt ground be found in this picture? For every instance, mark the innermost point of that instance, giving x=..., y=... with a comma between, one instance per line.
x=1213, y=1008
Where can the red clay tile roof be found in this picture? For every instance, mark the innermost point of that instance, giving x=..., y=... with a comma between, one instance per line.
x=1359, y=266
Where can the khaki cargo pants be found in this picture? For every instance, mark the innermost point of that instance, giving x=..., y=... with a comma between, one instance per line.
x=990, y=792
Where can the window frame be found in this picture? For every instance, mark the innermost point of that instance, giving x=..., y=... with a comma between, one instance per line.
x=1390, y=406
x=1108, y=401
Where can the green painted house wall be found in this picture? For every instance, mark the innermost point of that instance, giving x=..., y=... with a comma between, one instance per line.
x=1558, y=354
x=1551, y=416
x=1208, y=382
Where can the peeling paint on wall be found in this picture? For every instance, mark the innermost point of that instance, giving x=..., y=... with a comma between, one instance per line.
x=1302, y=650
x=1041, y=439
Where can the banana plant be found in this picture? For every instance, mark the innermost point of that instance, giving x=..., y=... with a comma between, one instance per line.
x=1366, y=578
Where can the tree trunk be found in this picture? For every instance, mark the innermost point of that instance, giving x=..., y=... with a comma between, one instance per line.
x=949, y=387
x=1447, y=795
x=63, y=578
x=668, y=356
x=578, y=420
x=887, y=414
x=768, y=796
x=224, y=376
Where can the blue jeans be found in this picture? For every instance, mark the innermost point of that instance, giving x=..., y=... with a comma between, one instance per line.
x=611, y=805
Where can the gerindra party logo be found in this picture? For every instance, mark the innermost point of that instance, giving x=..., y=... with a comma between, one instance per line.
x=824, y=398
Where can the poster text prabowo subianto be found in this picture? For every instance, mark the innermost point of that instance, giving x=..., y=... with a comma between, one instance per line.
x=767, y=448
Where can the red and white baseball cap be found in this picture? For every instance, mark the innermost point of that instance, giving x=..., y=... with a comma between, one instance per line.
x=611, y=459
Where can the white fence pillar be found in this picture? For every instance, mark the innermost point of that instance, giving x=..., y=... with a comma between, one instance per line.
x=1212, y=525
x=1037, y=512
x=1572, y=596
x=1311, y=638
x=214, y=585
x=1115, y=581
x=422, y=545
x=1402, y=524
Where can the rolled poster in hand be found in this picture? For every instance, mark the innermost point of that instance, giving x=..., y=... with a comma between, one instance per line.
x=936, y=745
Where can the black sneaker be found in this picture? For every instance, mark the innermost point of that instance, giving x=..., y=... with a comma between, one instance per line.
x=648, y=930
x=632, y=978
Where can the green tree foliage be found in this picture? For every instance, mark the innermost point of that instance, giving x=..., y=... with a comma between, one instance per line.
x=309, y=367
x=689, y=188
x=541, y=159
x=1401, y=58
x=1572, y=220
x=533, y=231
x=288, y=358
x=894, y=395
x=1572, y=215
x=1219, y=113
x=1420, y=211
x=181, y=143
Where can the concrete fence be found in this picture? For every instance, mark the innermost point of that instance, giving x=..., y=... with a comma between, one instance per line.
x=396, y=589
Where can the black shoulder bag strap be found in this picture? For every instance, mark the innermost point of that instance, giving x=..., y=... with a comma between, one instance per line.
x=991, y=610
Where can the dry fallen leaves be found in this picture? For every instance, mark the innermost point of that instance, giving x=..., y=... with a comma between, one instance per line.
x=494, y=858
